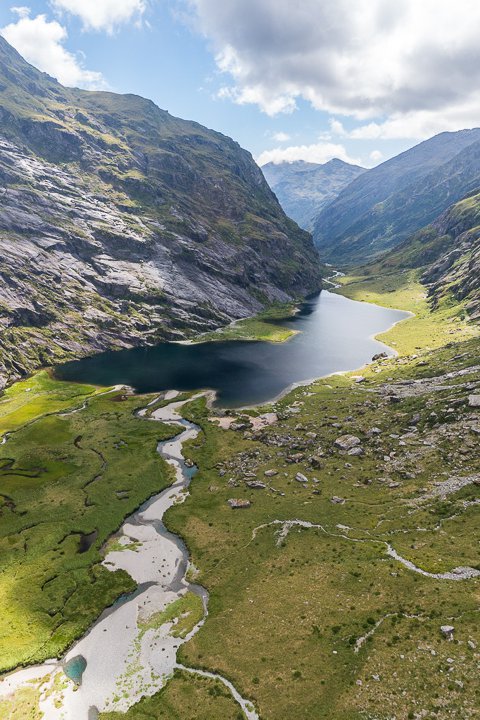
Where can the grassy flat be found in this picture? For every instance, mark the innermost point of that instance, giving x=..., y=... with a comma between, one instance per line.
x=39, y=395
x=402, y=290
x=251, y=329
x=65, y=477
x=263, y=327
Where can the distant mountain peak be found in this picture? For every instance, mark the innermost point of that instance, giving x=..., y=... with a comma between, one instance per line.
x=303, y=188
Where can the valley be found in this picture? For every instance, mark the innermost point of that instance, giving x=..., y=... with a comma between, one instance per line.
x=348, y=549
x=239, y=462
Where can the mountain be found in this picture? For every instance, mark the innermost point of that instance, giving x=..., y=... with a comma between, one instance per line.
x=303, y=188
x=387, y=204
x=122, y=225
x=448, y=251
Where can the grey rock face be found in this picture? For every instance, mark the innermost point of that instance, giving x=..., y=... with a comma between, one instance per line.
x=121, y=225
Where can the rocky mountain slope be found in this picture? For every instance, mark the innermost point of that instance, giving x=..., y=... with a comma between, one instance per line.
x=449, y=250
x=385, y=205
x=303, y=189
x=122, y=225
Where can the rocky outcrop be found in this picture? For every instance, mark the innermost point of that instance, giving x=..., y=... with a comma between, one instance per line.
x=457, y=270
x=121, y=225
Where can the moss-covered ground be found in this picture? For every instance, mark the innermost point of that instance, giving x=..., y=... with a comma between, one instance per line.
x=67, y=481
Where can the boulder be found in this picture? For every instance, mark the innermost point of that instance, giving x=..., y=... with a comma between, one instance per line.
x=295, y=458
x=474, y=401
x=447, y=631
x=301, y=478
x=347, y=442
x=256, y=485
x=316, y=462
x=237, y=504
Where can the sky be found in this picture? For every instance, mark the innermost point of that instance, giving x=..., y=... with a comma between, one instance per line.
x=310, y=80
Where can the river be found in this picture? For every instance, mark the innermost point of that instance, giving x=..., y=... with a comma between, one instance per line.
x=118, y=661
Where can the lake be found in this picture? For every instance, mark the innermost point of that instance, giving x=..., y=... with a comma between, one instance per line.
x=334, y=334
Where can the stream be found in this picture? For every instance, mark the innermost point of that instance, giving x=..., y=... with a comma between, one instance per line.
x=131, y=652
x=125, y=656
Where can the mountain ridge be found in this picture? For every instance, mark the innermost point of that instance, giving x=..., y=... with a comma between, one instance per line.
x=123, y=225
x=369, y=216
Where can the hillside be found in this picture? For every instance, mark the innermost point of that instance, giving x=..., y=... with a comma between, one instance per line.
x=385, y=205
x=303, y=189
x=122, y=225
x=449, y=252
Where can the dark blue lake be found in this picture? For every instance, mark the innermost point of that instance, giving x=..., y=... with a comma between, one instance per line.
x=334, y=334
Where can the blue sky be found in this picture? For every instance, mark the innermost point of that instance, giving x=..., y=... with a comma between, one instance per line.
x=286, y=80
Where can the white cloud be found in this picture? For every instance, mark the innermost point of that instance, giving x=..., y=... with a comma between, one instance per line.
x=103, y=14
x=337, y=128
x=319, y=153
x=40, y=42
x=281, y=137
x=21, y=11
x=413, y=63
x=422, y=124
x=376, y=156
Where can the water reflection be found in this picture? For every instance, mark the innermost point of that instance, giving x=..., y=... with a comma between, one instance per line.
x=335, y=334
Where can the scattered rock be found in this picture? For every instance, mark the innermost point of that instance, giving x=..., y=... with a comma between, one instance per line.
x=256, y=485
x=237, y=504
x=447, y=631
x=263, y=421
x=270, y=473
x=474, y=401
x=301, y=478
x=380, y=356
x=347, y=442
x=337, y=500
